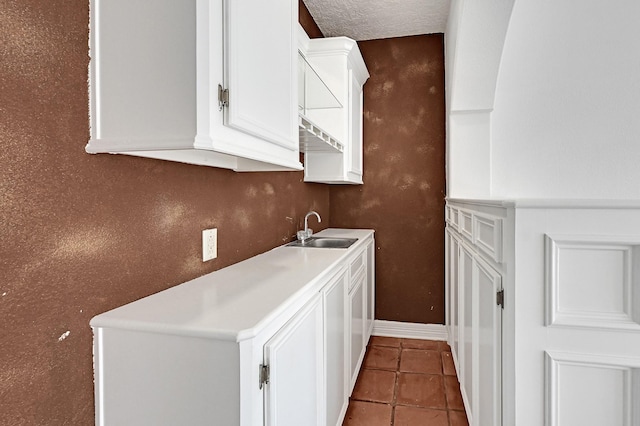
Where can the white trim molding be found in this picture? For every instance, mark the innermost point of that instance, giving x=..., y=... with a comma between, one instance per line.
x=621, y=278
x=409, y=330
x=625, y=393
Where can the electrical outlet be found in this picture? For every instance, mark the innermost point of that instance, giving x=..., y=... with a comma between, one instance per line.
x=209, y=244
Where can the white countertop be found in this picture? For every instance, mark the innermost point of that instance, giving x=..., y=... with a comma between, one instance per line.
x=233, y=303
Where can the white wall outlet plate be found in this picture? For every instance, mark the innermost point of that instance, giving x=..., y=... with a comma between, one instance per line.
x=209, y=244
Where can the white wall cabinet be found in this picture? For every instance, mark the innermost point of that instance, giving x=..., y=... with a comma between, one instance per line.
x=338, y=62
x=565, y=350
x=272, y=340
x=474, y=320
x=154, y=76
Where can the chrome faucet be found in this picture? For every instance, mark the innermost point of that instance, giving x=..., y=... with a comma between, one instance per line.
x=307, y=232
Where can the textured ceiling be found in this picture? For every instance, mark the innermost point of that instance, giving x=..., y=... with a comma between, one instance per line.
x=374, y=19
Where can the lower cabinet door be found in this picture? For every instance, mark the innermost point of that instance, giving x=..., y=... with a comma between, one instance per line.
x=295, y=394
x=371, y=289
x=356, y=328
x=452, y=254
x=335, y=349
x=487, y=406
x=465, y=328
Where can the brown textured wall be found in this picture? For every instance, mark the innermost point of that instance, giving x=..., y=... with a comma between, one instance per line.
x=404, y=177
x=307, y=21
x=81, y=234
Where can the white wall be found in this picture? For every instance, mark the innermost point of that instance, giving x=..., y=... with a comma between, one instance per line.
x=566, y=122
x=566, y=105
x=473, y=47
x=469, y=153
x=475, y=35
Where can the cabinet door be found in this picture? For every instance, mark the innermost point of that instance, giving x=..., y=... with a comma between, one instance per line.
x=465, y=326
x=294, y=394
x=335, y=349
x=371, y=289
x=356, y=327
x=453, y=293
x=355, y=127
x=487, y=407
x=261, y=69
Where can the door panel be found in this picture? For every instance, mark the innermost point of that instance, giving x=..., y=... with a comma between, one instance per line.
x=261, y=69
x=452, y=252
x=357, y=323
x=466, y=328
x=294, y=394
x=488, y=324
x=371, y=289
x=335, y=348
x=355, y=125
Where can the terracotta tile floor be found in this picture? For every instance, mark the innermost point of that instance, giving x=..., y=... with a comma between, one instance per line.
x=406, y=382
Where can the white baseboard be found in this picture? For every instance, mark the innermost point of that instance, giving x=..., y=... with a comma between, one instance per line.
x=409, y=330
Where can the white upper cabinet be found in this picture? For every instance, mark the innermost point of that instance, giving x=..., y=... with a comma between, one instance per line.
x=155, y=73
x=338, y=63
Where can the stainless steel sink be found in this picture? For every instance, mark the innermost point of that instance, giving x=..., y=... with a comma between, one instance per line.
x=324, y=242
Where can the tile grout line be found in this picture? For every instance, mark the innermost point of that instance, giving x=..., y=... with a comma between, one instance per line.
x=396, y=387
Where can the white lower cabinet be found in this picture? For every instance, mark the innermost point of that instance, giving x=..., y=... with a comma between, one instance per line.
x=225, y=350
x=159, y=379
x=474, y=320
x=543, y=320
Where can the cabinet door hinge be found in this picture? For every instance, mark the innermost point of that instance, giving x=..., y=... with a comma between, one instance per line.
x=264, y=375
x=500, y=298
x=223, y=97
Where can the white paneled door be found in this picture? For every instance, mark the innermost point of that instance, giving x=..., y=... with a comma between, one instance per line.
x=487, y=346
x=335, y=349
x=261, y=103
x=294, y=395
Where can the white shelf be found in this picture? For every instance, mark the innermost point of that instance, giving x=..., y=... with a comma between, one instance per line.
x=314, y=139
